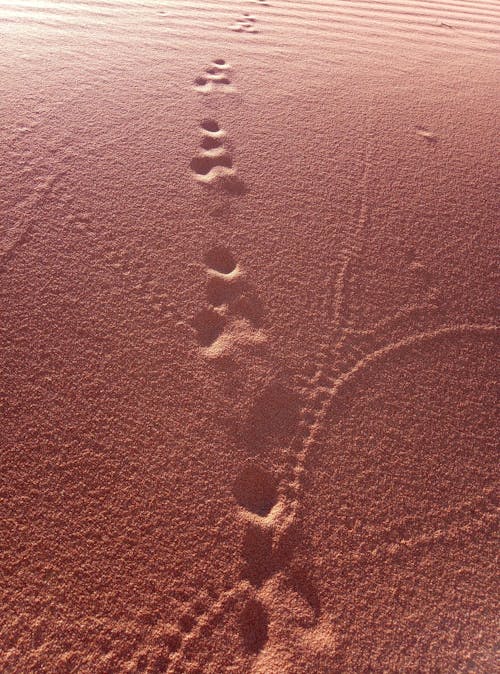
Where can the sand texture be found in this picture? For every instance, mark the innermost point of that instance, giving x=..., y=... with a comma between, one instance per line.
x=248, y=279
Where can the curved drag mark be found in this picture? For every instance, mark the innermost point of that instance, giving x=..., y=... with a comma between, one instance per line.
x=485, y=522
x=331, y=392
x=407, y=342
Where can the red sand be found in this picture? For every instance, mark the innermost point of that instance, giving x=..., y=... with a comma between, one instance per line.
x=248, y=334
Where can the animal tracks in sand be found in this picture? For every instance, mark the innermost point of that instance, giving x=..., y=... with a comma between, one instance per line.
x=213, y=160
x=234, y=314
x=272, y=597
x=254, y=625
x=245, y=25
x=216, y=77
x=279, y=601
x=256, y=490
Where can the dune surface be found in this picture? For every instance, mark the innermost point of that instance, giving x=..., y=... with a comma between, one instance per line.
x=248, y=282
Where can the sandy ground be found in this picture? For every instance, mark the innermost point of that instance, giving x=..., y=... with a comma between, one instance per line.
x=248, y=336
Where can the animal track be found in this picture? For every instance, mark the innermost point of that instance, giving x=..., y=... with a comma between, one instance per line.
x=210, y=126
x=255, y=490
x=280, y=418
x=234, y=315
x=254, y=625
x=215, y=77
x=209, y=326
x=220, y=260
x=245, y=25
x=273, y=418
x=213, y=160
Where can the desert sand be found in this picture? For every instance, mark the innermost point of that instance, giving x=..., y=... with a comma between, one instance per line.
x=248, y=279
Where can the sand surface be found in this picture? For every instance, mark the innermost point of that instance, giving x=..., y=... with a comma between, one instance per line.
x=247, y=276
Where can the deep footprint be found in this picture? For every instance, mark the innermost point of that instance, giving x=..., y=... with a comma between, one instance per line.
x=209, y=326
x=274, y=417
x=258, y=559
x=255, y=490
x=254, y=626
x=220, y=259
x=220, y=291
x=210, y=143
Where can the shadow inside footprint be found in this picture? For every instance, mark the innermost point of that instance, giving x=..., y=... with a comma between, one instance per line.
x=257, y=554
x=209, y=326
x=203, y=165
x=248, y=305
x=274, y=417
x=210, y=125
x=220, y=291
x=254, y=626
x=299, y=581
x=210, y=143
x=220, y=258
x=255, y=490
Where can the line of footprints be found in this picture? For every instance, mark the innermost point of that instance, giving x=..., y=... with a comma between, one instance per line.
x=234, y=314
x=234, y=317
x=247, y=22
x=216, y=76
x=245, y=25
x=213, y=162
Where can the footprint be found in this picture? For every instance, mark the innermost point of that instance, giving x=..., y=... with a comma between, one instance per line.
x=209, y=143
x=204, y=163
x=254, y=624
x=211, y=128
x=235, y=312
x=245, y=25
x=256, y=490
x=221, y=292
x=225, y=282
x=221, y=260
x=258, y=561
x=273, y=418
x=227, y=285
x=249, y=306
x=209, y=326
x=215, y=77
x=213, y=160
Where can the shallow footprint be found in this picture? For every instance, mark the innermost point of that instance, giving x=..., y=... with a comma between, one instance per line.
x=215, y=77
x=244, y=25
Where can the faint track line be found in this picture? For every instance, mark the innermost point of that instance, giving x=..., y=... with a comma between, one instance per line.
x=206, y=621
